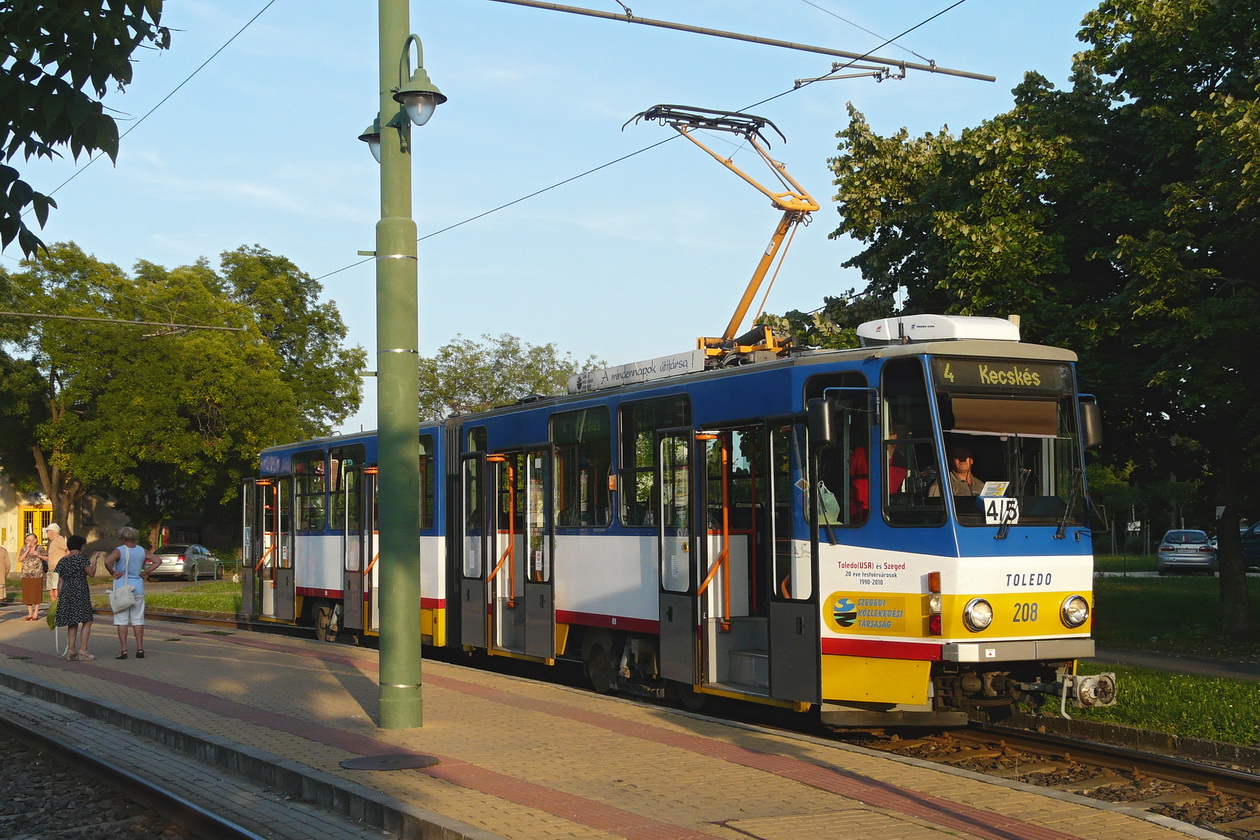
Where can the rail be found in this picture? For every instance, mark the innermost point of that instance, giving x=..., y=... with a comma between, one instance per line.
x=196, y=820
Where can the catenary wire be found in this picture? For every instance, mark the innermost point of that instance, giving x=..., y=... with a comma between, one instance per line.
x=175, y=90
x=625, y=157
x=864, y=29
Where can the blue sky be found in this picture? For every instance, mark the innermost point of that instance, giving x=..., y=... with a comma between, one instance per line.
x=631, y=262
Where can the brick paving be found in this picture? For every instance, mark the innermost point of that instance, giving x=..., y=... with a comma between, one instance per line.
x=516, y=758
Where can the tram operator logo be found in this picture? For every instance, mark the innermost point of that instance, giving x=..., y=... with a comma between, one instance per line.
x=845, y=612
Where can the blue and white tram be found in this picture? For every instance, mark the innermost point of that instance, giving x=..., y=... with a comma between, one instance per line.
x=797, y=531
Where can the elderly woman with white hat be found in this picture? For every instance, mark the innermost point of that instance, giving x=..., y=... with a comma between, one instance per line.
x=56, y=550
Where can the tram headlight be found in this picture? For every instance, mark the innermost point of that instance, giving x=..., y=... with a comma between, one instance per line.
x=978, y=614
x=1075, y=611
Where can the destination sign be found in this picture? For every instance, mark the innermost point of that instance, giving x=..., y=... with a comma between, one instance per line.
x=1001, y=375
x=663, y=367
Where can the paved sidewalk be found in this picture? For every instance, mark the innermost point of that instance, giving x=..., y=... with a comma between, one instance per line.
x=523, y=760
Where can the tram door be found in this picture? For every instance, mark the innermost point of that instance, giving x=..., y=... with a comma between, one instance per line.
x=479, y=539
x=540, y=597
x=676, y=556
x=350, y=479
x=733, y=591
x=521, y=600
x=795, y=643
x=273, y=570
x=285, y=585
x=251, y=547
x=371, y=551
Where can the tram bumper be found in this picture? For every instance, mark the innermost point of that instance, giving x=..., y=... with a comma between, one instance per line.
x=1040, y=650
x=992, y=673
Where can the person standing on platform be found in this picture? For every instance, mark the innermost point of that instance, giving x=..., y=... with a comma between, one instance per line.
x=74, y=609
x=130, y=565
x=56, y=550
x=31, y=566
x=4, y=575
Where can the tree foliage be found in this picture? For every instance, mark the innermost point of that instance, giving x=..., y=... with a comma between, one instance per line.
x=1119, y=217
x=466, y=376
x=165, y=421
x=53, y=58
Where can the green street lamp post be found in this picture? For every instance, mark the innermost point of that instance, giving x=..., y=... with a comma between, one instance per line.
x=402, y=102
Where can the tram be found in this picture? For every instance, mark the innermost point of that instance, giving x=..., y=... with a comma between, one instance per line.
x=793, y=530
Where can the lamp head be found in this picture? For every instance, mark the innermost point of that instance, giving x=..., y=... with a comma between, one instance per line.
x=372, y=136
x=419, y=96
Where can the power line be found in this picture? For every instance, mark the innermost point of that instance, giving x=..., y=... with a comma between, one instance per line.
x=165, y=324
x=863, y=28
x=162, y=102
x=856, y=58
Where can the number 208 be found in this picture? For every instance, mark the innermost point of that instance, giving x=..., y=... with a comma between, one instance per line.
x=1025, y=612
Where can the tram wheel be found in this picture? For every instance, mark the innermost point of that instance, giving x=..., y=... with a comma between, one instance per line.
x=323, y=620
x=599, y=669
x=684, y=695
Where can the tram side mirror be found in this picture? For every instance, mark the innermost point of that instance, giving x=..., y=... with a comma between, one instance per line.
x=1091, y=423
x=820, y=429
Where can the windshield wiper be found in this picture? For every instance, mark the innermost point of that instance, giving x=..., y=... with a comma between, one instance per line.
x=1012, y=512
x=1078, y=476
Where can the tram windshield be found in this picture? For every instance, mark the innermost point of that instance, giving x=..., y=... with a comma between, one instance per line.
x=997, y=438
x=1011, y=446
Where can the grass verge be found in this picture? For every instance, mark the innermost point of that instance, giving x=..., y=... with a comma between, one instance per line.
x=218, y=596
x=1211, y=708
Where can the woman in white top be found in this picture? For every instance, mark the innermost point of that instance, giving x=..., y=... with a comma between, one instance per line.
x=130, y=564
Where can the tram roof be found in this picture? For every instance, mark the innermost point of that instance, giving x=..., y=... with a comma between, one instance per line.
x=980, y=348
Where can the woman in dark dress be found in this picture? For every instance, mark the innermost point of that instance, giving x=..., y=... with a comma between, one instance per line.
x=74, y=606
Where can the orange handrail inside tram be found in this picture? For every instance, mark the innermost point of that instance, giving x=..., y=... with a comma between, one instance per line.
x=510, y=551
x=723, y=560
x=263, y=558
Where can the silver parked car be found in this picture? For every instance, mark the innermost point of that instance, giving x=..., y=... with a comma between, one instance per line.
x=1189, y=551
x=187, y=561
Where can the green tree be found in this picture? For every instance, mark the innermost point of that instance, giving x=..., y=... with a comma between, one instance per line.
x=466, y=376
x=834, y=325
x=49, y=54
x=165, y=421
x=324, y=374
x=1118, y=217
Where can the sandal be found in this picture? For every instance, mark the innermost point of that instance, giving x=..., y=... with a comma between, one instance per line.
x=122, y=655
x=73, y=657
x=84, y=656
x=140, y=654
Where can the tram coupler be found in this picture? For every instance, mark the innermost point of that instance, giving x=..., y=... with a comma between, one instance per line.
x=1082, y=691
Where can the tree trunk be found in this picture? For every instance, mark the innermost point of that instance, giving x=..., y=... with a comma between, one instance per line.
x=1236, y=618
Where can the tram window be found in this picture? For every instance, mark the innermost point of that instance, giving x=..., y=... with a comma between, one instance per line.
x=793, y=576
x=310, y=485
x=345, y=470
x=511, y=489
x=583, y=442
x=473, y=514
x=908, y=462
x=1034, y=456
x=428, y=481
x=740, y=483
x=639, y=422
x=842, y=466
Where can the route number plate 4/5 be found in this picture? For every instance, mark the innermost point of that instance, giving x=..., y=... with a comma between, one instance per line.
x=1001, y=509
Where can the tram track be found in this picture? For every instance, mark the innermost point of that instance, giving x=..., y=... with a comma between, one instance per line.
x=1217, y=798
x=101, y=787
x=1212, y=795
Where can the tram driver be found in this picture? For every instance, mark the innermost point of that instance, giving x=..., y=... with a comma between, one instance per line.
x=962, y=481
